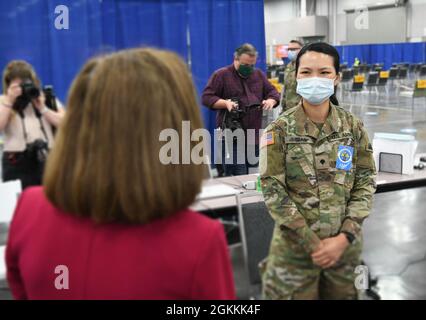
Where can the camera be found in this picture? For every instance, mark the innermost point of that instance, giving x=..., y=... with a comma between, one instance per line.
x=29, y=92
x=37, y=151
x=233, y=119
x=50, y=96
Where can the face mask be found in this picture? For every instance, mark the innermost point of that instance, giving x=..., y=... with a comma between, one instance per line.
x=315, y=90
x=292, y=55
x=245, y=70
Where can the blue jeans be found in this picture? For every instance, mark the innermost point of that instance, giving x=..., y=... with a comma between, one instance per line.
x=233, y=168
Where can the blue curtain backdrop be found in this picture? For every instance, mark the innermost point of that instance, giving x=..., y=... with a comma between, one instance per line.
x=203, y=32
x=27, y=31
x=217, y=28
x=387, y=54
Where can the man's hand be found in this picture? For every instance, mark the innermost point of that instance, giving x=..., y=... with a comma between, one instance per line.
x=268, y=104
x=230, y=105
x=330, y=251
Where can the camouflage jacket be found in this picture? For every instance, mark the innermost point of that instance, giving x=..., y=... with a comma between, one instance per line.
x=317, y=184
x=289, y=96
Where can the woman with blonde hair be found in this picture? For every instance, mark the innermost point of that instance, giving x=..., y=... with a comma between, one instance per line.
x=111, y=215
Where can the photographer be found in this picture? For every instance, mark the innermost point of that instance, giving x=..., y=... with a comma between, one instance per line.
x=27, y=124
x=240, y=92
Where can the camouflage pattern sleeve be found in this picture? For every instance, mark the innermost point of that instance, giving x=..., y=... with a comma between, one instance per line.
x=273, y=178
x=359, y=204
x=290, y=98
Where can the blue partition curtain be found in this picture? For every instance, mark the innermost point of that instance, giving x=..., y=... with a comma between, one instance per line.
x=203, y=32
x=27, y=31
x=387, y=54
x=217, y=28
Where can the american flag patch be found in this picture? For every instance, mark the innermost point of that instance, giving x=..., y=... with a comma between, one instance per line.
x=267, y=139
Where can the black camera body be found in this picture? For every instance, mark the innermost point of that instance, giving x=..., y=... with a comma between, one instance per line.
x=233, y=119
x=37, y=151
x=29, y=92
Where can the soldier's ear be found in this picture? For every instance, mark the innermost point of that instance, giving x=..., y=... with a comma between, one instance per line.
x=337, y=80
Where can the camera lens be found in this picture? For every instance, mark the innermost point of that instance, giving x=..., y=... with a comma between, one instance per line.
x=34, y=93
x=30, y=90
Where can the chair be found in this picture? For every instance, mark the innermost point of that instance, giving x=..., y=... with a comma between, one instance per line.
x=346, y=78
x=418, y=92
x=412, y=70
x=403, y=72
x=256, y=228
x=363, y=68
x=372, y=79
x=383, y=81
x=422, y=71
x=393, y=73
x=355, y=70
x=372, y=82
x=281, y=77
x=357, y=87
x=377, y=67
x=402, y=78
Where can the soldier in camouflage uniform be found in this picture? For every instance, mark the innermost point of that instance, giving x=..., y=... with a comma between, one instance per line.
x=289, y=97
x=313, y=200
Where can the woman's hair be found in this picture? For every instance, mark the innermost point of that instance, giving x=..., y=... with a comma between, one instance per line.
x=105, y=163
x=322, y=47
x=18, y=69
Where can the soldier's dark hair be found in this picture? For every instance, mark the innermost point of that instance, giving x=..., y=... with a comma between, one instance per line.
x=322, y=47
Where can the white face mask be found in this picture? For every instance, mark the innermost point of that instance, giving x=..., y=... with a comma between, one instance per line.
x=315, y=90
x=292, y=55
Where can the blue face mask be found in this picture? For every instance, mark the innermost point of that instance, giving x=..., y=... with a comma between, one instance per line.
x=292, y=55
x=315, y=90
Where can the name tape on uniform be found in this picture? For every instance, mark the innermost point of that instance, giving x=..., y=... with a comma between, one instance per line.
x=298, y=139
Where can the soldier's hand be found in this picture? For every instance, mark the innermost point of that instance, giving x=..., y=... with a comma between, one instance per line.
x=268, y=104
x=330, y=252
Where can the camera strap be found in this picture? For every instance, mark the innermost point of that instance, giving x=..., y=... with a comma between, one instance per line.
x=24, y=128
